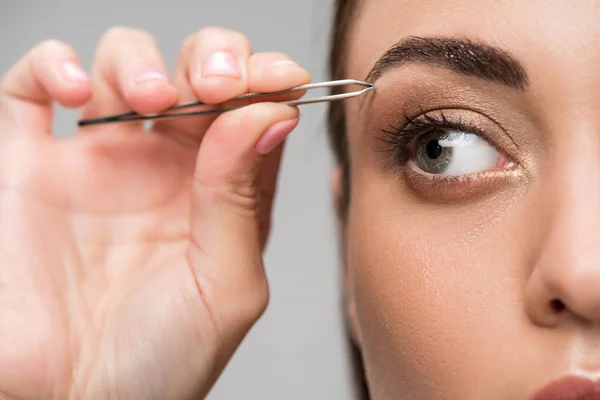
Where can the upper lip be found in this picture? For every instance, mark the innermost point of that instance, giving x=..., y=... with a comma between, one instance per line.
x=569, y=388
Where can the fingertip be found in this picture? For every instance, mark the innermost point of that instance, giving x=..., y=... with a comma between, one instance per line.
x=275, y=135
x=75, y=98
x=272, y=72
x=151, y=97
x=218, y=89
x=71, y=87
x=147, y=90
x=283, y=78
x=253, y=120
x=218, y=76
x=282, y=74
x=57, y=76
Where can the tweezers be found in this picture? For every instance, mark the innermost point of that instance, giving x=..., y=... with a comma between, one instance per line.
x=133, y=116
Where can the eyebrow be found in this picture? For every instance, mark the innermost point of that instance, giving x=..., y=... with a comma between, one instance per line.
x=459, y=55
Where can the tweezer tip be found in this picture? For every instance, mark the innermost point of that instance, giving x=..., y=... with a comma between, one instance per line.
x=356, y=82
x=365, y=83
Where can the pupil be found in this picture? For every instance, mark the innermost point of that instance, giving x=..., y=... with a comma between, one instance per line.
x=434, y=150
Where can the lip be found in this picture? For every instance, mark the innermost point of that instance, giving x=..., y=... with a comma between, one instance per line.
x=569, y=388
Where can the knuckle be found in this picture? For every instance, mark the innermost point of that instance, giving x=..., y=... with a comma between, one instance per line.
x=253, y=302
x=238, y=298
x=244, y=192
x=261, y=298
x=241, y=192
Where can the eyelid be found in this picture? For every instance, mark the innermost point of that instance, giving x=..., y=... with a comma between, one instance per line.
x=459, y=188
x=475, y=122
x=468, y=124
x=400, y=141
x=450, y=188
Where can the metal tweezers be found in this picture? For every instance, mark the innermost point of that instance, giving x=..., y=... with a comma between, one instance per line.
x=133, y=116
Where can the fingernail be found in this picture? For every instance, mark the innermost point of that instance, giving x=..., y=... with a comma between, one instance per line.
x=148, y=75
x=73, y=71
x=221, y=63
x=281, y=63
x=275, y=135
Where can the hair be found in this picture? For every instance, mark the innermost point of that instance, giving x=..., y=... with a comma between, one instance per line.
x=343, y=18
x=344, y=12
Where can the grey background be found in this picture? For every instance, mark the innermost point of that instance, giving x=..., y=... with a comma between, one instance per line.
x=297, y=350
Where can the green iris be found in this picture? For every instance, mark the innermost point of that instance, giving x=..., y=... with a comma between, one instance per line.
x=431, y=156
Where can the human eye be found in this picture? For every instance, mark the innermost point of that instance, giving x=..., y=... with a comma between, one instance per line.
x=449, y=152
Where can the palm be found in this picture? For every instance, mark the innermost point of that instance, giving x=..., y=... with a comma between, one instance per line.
x=130, y=261
x=112, y=218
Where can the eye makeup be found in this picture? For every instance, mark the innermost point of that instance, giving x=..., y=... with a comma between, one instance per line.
x=400, y=139
x=416, y=143
x=449, y=144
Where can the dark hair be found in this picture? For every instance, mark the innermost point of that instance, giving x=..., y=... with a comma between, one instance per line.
x=343, y=18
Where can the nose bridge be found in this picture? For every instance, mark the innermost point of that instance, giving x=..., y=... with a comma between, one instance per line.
x=565, y=102
x=570, y=261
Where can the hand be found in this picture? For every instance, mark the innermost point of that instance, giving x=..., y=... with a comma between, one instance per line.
x=131, y=260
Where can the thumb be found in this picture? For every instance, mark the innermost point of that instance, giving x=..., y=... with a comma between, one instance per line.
x=49, y=72
x=226, y=246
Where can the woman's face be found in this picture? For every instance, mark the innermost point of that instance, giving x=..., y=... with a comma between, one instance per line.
x=473, y=234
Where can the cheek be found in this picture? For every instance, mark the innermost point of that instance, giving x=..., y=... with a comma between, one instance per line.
x=431, y=284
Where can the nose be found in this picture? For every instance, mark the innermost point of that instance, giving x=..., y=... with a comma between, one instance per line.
x=565, y=281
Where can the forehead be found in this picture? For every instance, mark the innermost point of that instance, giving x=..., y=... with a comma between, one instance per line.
x=561, y=33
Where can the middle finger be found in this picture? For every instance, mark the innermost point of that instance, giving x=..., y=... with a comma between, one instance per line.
x=212, y=68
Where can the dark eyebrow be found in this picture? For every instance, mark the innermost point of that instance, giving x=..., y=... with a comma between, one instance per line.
x=463, y=56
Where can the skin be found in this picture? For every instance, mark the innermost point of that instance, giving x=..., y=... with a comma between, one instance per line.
x=130, y=262
x=450, y=286
x=137, y=273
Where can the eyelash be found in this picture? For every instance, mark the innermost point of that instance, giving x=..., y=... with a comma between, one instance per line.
x=399, y=140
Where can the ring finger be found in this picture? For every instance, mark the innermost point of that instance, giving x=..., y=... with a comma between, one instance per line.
x=129, y=74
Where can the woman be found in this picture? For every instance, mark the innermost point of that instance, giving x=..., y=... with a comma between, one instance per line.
x=467, y=187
